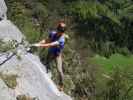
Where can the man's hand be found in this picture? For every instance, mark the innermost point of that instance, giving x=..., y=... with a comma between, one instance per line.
x=36, y=44
x=43, y=41
x=41, y=45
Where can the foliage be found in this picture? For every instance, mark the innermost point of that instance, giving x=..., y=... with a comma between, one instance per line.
x=6, y=46
x=104, y=21
x=93, y=10
x=24, y=15
x=112, y=86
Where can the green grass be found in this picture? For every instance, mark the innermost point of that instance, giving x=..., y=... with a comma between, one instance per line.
x=116, y=60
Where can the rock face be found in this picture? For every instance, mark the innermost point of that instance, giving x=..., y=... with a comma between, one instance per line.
x=3, y=9
x=9, y=31
x=31, y=78
x=23, y=76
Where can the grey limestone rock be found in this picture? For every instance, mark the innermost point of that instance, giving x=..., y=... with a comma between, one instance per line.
x=3, y=9
x=31, y=77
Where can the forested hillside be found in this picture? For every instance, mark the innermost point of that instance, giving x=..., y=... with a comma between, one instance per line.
x=98, y=55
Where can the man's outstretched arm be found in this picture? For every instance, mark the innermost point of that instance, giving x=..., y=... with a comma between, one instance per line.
x=45, y=45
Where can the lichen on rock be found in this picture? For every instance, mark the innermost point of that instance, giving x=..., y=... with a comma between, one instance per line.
x=9, y=79
x=25, y=97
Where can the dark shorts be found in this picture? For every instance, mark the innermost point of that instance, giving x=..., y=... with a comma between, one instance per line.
x=54, y=51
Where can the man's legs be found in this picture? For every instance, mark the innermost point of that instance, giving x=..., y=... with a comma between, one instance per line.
x=60, y=70
x=49, y=59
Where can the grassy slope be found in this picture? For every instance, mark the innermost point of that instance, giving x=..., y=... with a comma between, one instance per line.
x=114, y=61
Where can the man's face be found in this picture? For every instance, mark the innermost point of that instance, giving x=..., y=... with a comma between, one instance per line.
x=60, y=33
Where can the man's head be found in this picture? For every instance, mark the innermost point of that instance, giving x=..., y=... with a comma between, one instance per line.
x=61, y=27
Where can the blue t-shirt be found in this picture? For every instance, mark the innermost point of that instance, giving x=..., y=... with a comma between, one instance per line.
x=56, y=49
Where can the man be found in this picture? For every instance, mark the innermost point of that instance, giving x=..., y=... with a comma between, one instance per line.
x=55, y=44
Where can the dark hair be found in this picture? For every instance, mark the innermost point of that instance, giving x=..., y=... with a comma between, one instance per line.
x=61, y=28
